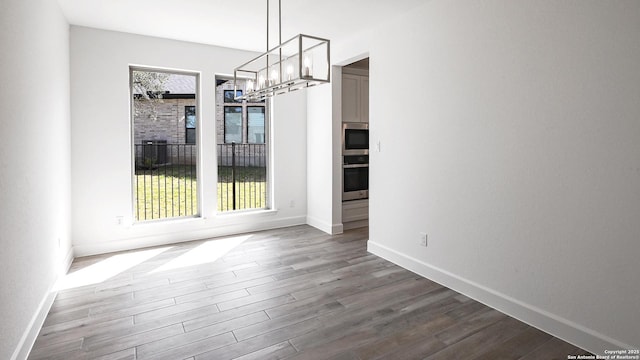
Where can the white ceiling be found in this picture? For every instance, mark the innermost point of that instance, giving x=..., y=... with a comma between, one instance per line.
x=236, y=24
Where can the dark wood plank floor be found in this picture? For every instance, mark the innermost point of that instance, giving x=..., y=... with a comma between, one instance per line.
x=293, y=293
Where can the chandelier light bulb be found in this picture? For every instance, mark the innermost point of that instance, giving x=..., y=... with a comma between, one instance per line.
x=289, y=71
x=307, y=67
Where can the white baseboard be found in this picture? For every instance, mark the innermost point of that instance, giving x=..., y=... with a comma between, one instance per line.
x=331, y=229
x=33, y=329
x=87, y=249
x=66, y=263
x=553, y=324
x=337, y=229
x=31, y=333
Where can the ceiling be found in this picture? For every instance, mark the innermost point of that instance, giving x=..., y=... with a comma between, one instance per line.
x=232, y=24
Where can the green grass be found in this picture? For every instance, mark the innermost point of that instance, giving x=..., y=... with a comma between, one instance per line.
x=249, y=195
x=170, y=191
x=166, y=192
x=251, y=189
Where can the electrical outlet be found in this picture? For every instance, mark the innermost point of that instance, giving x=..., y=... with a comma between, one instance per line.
x=423, y=239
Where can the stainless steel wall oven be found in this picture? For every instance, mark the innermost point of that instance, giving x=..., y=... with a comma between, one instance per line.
x=355, y=177
x=355, y=164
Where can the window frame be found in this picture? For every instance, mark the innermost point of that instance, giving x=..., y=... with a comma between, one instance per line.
x=232, y=101
x=264, y=125
x=198, y=168
x=224, y=115
x=187, y=128
x=223, y=146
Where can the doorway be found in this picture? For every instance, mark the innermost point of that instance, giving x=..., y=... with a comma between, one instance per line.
x=355, y=144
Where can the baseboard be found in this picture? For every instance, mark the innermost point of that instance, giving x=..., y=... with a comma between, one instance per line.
x=66, y=263
x=33, y=329
x=31, y=333
x=337, y=229
x=553, y=324
x=87, y=249
x=331, y=229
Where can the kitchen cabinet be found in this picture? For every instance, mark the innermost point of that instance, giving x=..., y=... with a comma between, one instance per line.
x=355, y=98
x=355, y=214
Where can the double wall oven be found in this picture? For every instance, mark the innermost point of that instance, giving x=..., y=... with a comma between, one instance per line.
x=355, y=161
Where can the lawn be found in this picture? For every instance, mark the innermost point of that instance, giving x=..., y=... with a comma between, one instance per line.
x=171, y=191
x=251, y=189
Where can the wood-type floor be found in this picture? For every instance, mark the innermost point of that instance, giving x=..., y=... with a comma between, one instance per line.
x=293, y=293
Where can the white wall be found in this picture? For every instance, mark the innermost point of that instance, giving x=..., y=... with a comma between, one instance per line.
x=517, y=149
x=290, y=146
x=34, y=166
x=324, y=138
x=320, y=168
x=101, y=143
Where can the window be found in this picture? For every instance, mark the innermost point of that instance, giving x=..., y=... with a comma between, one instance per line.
x=229, y=98
x=190, y=124
x=233, y=124
x=242, y=150
x=164, y=144
x=255, y=124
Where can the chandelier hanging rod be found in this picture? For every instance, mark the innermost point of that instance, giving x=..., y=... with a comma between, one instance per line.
x=279, y=23
x=300, y=62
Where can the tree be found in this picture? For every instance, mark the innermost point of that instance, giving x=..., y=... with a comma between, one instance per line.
x=148, y=88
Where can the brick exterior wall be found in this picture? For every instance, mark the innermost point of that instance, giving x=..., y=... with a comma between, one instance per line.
x=246, y=154
x=168, y=124
x=220, y=104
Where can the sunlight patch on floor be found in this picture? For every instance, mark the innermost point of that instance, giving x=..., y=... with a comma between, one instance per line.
x=106, y=269
x=207, y=252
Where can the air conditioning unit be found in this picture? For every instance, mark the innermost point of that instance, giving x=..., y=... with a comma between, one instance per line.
x=154, y=152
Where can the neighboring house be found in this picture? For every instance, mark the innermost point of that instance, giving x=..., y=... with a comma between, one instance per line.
x=170, y=118
x=164, y=128
x=167, y=125
x=242, y=123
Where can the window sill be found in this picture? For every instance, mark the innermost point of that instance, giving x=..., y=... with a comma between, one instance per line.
x=229, y=215
x=168, y=221
x=246, y=213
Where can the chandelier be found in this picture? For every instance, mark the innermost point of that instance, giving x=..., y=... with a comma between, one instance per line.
x=300, y=62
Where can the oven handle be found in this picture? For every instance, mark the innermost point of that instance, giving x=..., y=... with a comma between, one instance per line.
x=354, y=166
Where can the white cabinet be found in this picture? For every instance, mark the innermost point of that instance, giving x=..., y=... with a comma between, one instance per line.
x=364, y=98
x=355, y=98
x=355, y=214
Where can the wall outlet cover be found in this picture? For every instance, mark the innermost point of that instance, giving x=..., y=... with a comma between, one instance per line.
x=423, y=239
